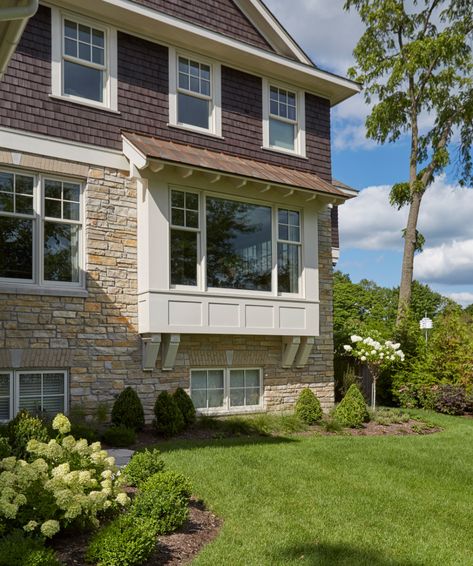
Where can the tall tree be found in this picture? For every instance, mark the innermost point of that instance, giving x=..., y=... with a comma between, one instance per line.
x=415, y=60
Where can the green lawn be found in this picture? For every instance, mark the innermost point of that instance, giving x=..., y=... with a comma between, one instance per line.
x=336, y=500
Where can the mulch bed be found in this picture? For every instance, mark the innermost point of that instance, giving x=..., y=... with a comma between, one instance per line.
x=180, y=547
x=374, y=429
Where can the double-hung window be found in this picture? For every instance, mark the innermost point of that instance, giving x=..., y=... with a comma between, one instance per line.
x=194, y=93
x=39, y=391
x=40, y=230
x=222, y=243
x=283, y=119
x=226, y=389
x=83, y=61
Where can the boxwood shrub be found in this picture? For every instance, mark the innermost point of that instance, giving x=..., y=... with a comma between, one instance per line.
x=168, y=416
x=143, y=465
x=128, y=410
x=18, y=549
x=126, y=541
x=308, y=407
x=352, y=411
x=167, y=509
x=169, y=481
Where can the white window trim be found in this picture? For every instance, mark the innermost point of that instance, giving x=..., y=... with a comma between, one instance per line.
x=38, y=218
x=215, y=120
x=110, y=101
x=226, y=409
x=300, y=137
x=202, y=246
x=15, y=387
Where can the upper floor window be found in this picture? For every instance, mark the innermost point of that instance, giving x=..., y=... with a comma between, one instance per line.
x=225, y=243
x=84, y=61
x=40, y=230
x=283, y=119
x=194, y=93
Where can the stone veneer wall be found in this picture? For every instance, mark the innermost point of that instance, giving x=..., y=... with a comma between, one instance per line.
x=96, y=337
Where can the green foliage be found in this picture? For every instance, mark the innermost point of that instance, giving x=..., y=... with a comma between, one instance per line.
x=352, y=411
x=126, y=541
x=82, y=430
x=22, y=429
x=168, y=417
x=308, y=407
x=164, y=506
x=119, y=436
x=17, y=549
x=169, y=481
x=186, y=406
x=128, y=411
x=264, y=424
x=143, y=465
x=389, y=416
x=330, y=424
x=5, y=448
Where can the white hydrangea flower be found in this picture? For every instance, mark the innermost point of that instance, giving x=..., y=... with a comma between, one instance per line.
x=61, y=423
x=363, y=358
x=30, y=526
x=122, y=499
x=347, y=348
x=50, y=528
x=356, y=338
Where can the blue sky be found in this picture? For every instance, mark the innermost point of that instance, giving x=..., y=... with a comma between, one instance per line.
x=370, y=230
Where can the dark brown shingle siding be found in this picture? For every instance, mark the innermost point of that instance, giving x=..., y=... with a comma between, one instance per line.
x=25, y=104
x=222, y=16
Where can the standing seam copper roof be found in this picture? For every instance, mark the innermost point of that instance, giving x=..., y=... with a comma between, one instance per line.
x=154, y=148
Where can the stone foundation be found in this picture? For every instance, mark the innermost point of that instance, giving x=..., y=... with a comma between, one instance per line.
x=95, y=337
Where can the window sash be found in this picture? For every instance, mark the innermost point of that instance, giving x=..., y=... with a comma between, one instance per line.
x=8, y=405
x=227, y=389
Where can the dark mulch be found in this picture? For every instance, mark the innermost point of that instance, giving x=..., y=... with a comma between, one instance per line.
x=180, y=547
x=375, y=429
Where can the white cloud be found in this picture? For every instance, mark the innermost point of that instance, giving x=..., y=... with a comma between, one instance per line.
x=369, y=222
x=464, y=298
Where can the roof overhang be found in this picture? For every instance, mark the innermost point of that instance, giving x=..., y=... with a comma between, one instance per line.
x=145, y=152
x=14, y=16
x=168, y=30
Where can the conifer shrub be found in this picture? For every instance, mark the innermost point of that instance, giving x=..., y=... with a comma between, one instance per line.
x=119, y=436
x=186, y=406
x=23, y=428
x=352, y=410
x=125, y=541
x=143, y=465
x=308, y=407
x=168, y=417
x=128, y=411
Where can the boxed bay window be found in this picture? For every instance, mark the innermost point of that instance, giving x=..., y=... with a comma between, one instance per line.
x=38, y=391
x=222, y=243
x=40, y=230
x=226, y=389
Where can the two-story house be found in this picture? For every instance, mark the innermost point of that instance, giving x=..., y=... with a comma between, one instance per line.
x=165, y=206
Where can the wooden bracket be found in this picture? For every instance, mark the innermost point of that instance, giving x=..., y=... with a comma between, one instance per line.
x=150, y=352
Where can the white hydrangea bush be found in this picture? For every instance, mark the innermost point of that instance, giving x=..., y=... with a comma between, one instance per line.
x=376, y=354
x=67, y=480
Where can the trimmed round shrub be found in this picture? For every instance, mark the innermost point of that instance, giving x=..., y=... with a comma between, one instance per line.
x=352, y=410
x=142, y=466
x=169, y=481
x=167, y=510
x=169, y=419
x=308, y=407
x=186, y=406
x=81, y=430
x=128, y=410
x=18, y=549
x=119, y=436
x=126, y=541
x=22, y=429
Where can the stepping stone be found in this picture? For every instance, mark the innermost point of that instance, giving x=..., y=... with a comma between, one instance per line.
x=122, y=455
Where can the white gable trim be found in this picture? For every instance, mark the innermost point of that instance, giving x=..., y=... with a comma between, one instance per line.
x=270, y=28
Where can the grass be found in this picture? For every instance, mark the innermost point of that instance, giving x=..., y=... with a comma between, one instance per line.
x=336, y=500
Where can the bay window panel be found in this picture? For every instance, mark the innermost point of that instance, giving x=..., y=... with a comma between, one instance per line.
x=61, y=252
x=239, y=249
x=288, y=268
x=183, y=257
x=16, y=248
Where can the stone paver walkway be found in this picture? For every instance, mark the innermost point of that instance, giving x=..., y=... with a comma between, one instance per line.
x=122, y=455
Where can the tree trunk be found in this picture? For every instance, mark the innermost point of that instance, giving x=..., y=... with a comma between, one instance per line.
x=407, y=272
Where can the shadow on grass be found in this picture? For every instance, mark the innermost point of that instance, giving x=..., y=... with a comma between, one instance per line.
x=325, y=554
x=164, y=445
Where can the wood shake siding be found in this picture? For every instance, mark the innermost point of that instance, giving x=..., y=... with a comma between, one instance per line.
x=143, y=86
x=221, y=16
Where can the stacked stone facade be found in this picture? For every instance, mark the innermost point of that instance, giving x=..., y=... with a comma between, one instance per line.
x=95, y=336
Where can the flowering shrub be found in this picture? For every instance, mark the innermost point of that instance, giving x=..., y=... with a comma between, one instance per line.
x=376, y=355
x=66, y=481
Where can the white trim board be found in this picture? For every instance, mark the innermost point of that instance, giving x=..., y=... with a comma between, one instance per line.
x=16, y=140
